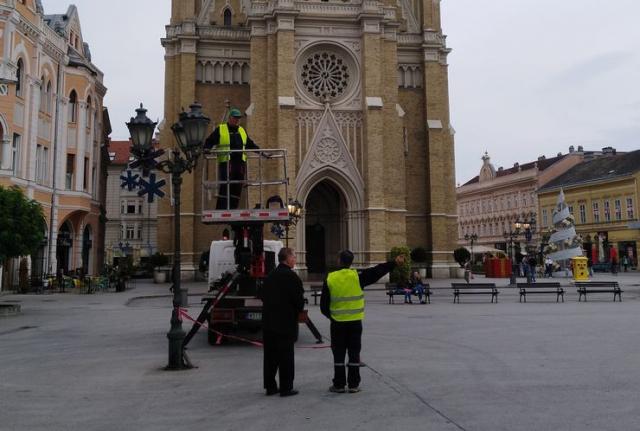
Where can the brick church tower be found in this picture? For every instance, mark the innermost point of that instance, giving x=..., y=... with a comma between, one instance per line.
x=355, y=91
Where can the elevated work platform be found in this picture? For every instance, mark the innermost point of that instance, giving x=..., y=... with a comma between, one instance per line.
x=263, y=192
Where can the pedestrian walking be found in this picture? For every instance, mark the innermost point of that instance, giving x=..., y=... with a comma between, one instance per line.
x=467, y=271
x=548, y=267
x=282, y=301
x=343, y=303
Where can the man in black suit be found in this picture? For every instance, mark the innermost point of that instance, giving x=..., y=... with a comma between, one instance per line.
x=283, y=299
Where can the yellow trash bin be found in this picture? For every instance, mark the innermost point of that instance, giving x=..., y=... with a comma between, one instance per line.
x=580, y=268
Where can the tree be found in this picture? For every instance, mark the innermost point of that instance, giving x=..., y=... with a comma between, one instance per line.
x=461, y=255
x=22, y=224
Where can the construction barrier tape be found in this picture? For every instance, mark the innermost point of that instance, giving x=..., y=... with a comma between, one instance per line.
x=221, y=335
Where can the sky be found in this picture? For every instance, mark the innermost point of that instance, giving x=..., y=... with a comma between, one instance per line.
x=526, y=77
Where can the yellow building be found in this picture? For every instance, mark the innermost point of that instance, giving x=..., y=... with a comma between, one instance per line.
x=51, y=128
x=602, y=194
x=356, y=92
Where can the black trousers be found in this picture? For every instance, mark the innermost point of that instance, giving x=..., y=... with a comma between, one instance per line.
x=278, y=358
x=230, y=171
x=346, y=337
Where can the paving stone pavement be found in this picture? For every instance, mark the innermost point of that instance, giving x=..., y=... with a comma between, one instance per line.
x=94, y=362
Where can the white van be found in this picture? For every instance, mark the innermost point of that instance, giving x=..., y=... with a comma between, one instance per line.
x=221, y=258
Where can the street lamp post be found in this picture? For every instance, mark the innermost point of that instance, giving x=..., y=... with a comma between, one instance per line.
x=190, y=133
x=294, y=208
x=510, y=236
x=526, y=228
x=471, y=239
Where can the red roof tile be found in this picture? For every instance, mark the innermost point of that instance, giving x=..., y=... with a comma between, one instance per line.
x=119, y=152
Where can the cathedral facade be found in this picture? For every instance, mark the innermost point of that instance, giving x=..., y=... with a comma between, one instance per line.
x=355, y=91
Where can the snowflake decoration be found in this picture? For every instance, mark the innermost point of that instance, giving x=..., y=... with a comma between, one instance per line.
x=130, y=181
x=151, y=188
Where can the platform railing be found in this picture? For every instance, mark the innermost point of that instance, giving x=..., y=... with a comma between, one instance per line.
x=259, y=179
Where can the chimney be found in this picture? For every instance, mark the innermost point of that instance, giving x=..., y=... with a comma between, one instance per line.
x=580, y=148
x=516, y=165
x=560, y=154
x=609, y=150
x=500, y=169
x=571, y=149
x=541, y=158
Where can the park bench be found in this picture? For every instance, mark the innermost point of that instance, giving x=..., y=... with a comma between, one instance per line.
x=474, y=289
x=542, y=287
x=316, y=292
x=585, y=287
x=393, y=289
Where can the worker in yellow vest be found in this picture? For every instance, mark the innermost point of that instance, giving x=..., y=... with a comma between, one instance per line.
x=232, y=166
x=342, y=302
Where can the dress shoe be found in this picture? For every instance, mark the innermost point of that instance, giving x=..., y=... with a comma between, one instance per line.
x=272, y=391
x=289, y=393
x=336, y=390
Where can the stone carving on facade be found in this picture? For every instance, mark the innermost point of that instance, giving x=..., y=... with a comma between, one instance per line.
x=329, y=150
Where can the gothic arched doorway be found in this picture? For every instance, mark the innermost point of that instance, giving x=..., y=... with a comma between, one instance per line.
x=326, y=230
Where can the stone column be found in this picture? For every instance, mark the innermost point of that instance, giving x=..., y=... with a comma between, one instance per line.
x=441, y=205
x=31, y=140
x=375, y=244
x=81, y=145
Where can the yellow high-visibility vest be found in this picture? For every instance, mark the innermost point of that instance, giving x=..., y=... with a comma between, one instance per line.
x=225, y=142
x=347, y=298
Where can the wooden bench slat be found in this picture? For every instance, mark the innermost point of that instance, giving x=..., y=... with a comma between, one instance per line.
x=585, y=287
x=474, y=289
x=540, y=288
x=393, y=289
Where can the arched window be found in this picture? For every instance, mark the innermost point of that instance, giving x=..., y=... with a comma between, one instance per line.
x=43, y=95
x=73, y=106
x=227, y=17
x=20, y=76
x=88, y=112
x=49, y=97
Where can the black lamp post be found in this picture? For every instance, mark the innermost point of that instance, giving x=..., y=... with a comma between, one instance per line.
x=471, y=239
x=513, y=233
x=190, y=132
x=294, y=208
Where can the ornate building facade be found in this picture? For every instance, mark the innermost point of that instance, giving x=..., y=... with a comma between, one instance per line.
x=492, y=202
x=52, y=125
x=355, y=91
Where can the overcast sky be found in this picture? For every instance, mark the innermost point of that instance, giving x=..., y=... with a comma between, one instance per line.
x=527, y=77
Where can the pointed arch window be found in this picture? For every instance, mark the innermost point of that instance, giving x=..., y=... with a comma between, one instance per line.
x=20, y=79
x=73, y=107
x=49, y=93
x=88, y=112
x=227, y=17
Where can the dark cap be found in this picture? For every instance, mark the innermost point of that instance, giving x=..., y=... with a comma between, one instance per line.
x=234, y=112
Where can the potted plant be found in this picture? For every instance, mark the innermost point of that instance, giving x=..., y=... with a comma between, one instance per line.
x=419, y=256
x=157, y=261
x=461, y=256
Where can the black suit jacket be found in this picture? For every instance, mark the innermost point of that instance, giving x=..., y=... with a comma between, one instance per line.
x=283, y=299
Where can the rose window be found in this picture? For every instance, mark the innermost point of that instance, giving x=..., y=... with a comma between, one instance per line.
x=325, y=76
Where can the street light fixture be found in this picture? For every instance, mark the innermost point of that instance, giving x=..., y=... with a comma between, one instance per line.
x=189, y=132
x=526, y=228
x=294, y=208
